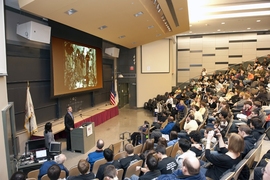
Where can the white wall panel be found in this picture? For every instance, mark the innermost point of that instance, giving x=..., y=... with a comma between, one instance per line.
x=250, y=45
x=235, y=46
x=183, y=64
x=249, y=57
x=222, y=58
x=235, y=37
x=222, y=52
x=183, y=54
x=249, y=36
x=263, y=38
x=249, y=51
x=235, y=60
x=195, y=61
x=235, y=51
x=262, y=53
x=209, y=50
x=208, y=59
x=221, y=66
x=263, y=44
x=195, y=55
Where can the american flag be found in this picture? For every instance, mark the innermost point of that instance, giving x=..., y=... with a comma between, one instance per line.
x=113, y=96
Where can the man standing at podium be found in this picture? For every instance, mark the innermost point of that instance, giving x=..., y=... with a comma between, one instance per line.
x=69, y=125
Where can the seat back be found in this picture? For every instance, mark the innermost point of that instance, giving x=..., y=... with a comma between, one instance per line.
x=228, y=128
x=239, y=168
x=120, y=173
x=227, y=176
x=181, y=124
x=45, y=177
x=250, y=157
x=116, y=147
x=164, y=124
x=31, y=179
x=97, y=164
x=74, y=171
x=62, y=174
x=174, y=149
x=138, y=149
x=169, y=150
x=33, y=174
x=132, y=169
x=120, y=155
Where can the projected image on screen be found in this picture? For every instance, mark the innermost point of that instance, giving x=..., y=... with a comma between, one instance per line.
x=80, y=66
x=76, y=67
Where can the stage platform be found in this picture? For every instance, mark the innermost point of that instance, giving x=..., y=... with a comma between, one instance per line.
x=97, y=115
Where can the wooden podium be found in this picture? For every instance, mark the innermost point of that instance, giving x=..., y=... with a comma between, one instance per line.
x=83, y=138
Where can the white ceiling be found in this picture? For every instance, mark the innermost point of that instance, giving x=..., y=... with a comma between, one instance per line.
x=118, y=15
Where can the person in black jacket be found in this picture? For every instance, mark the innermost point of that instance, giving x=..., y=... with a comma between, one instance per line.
x=256, y=126
x=69, y=126
x=245, y=132
x=108, y=155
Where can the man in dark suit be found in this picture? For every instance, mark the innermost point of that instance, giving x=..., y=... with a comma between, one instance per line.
x=69, y=125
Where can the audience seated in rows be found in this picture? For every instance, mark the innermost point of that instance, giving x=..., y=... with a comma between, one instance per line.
x=54, y=172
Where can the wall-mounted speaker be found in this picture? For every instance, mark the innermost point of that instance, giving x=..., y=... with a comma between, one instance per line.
x=34, y=32
x=113, y=51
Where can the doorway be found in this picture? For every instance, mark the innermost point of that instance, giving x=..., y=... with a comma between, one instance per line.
x=123, y=93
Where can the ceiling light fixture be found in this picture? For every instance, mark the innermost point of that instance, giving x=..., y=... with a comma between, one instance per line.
x=223, y=23
x=150, y=27
x=102, y=27
x=258, y=20
x=71, y=11
x=138, y=14
x=121, y=37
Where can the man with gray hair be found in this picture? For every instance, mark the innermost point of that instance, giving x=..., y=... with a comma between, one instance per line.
x=59, y=160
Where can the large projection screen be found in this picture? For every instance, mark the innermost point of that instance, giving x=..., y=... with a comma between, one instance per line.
x=156, y=57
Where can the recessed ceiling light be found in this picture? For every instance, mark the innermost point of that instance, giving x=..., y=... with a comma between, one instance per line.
x=180, y=9
x=223, y=23
x=150, y=27
x=121, y=37
x=71, y=11
x=190, y=31
x=248, y=28
x=138, y=14
x=206, y=24
x=218, y=30
x=102, y=27
x=258, y=20
x=133, y=43
x=190, y=25
x=158, y=35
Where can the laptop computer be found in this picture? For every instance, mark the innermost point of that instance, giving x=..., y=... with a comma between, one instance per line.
x=41, y=155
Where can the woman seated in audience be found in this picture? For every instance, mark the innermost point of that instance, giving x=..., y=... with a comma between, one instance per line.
x=229, y=156
x=148, y=146
x=48, y=135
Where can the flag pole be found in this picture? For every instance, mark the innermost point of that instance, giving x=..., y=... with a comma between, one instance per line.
x=29, y=118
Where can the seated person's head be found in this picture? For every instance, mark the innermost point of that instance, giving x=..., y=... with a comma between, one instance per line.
x=184, y=144
x=191, y=166
x=60, y=159
x=170, y=119
x=244, y=130
x=258, y=104
x=110, y=172
x=151, y=162
x=48, y=127
x=162, y=141
x=100, y=144
x=108, y=154
x=223, y=113
x=173, y=135
x=83, y=166
x=18, y=176
x=236, y=143
x=161, y=150
x=129, y=148
x=54, y=172
x=195, y=136
x=255, y=123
